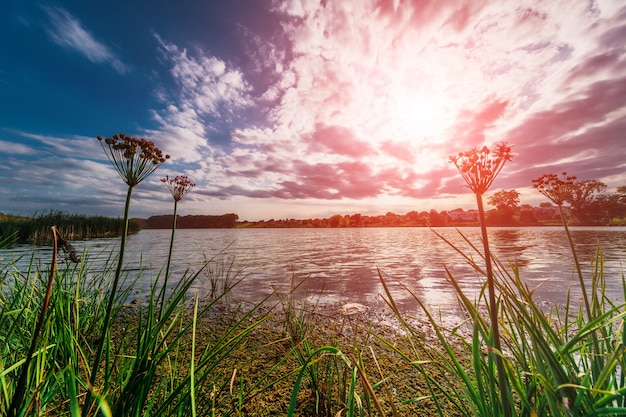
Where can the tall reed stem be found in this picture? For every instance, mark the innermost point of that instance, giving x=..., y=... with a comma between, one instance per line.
x=583, y=288
x=109, y=308
x=493, y=311
x=169, y=260
x=18, y=396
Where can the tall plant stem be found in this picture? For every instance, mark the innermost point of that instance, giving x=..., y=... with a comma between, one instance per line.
x=169, y=260
x=111, y=301
x=583, y=288
x=493, y=311
x=18, y=396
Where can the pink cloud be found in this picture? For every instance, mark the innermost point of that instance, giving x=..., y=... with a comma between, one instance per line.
x=372, y=97
x=338, y=140
x=471, y=127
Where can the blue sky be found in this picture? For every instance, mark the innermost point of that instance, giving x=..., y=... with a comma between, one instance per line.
x=304, y=109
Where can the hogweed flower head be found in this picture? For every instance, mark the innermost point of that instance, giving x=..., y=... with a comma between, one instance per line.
x=558, y=190
x=479, y=167
x=179, y=186
x=134, y=159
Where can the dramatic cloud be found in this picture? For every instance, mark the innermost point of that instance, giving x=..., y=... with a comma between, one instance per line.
x=397, y=88
x=357, y=104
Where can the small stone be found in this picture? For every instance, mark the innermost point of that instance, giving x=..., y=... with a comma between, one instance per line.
x=352, y=308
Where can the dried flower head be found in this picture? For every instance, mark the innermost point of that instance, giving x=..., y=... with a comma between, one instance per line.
x=68, y=250
x=134, y=159
x=558, y=190
x=179, y=186
x=479, y=167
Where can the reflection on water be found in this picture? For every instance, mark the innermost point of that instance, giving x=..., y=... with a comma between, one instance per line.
x=343, y=265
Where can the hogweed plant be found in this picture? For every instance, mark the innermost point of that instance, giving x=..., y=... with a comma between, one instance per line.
x=134, y=160
x=479, y=168
x=179, y=186
x=559, y=190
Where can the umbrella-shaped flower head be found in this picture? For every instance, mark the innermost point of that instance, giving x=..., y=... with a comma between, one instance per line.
x=179, y=186
x=558, y=190
x=479, y=167
x=134, y=159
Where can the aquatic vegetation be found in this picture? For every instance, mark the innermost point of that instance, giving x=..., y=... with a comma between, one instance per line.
x=558, y=362
x=559, y=191
x=479, y=169
x=556, y=189
x=179, y=186
x=37, y=227
x=58, y=244
x=134, y=160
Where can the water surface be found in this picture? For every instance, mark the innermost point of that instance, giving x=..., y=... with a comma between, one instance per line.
x=343, y=265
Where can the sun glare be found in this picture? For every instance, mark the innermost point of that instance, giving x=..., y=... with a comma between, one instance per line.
x=419, y=116
x=413, y=123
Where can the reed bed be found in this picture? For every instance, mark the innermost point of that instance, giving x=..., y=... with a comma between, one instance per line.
x=37, y=228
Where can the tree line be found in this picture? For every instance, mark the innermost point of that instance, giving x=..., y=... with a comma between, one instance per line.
x=190, y=222
x=588, y=205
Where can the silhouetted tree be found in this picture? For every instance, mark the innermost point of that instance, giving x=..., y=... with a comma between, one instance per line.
x=335, y=220
x=504, y=198
x=356, y=220
x=506, y=202
x=581, y=198
x=436, y=219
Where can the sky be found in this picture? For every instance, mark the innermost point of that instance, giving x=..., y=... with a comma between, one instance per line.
x=305, y=109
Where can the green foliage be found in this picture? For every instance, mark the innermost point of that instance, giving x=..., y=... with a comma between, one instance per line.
x=559, y=361
x=504, y=198
x=146, y=368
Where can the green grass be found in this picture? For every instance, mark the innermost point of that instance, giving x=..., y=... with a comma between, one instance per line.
x=147, y=364
x=558, y=362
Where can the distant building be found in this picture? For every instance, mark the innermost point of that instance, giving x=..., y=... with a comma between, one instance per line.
x=460, y=215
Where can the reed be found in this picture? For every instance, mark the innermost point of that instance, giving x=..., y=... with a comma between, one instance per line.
x=134, y=160
x=179, y=186
x=559, y=361
x=147, y=366
x=37, y=227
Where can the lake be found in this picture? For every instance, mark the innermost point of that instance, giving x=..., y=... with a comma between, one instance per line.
x=341, y=265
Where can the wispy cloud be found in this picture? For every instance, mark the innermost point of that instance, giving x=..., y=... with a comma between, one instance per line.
x=12, y=148
x=209, y=91
x=68, y=32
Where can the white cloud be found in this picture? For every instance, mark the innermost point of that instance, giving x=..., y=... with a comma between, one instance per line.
x=69, y=33
x=11, y=148
x=208, y=89
x=73, y=146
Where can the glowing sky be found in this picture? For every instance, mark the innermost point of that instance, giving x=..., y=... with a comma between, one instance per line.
x=304, y=109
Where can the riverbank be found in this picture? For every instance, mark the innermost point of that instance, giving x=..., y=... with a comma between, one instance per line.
x=36, y=228
x=319, y=358
x=269, y=355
